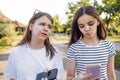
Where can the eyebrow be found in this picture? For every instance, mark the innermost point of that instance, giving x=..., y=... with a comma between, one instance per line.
x=91, y=21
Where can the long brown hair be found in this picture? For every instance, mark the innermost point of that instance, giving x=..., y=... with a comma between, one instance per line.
x=27, y=37
x=76, y=34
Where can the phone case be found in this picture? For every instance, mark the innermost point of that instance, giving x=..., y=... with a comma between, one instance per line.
x=50, y=75
x=94, y=70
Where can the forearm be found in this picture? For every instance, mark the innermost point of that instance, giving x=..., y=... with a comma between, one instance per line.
x=111, y=76
x=110, y=69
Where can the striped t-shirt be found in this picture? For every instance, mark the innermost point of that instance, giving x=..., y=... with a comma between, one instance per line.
x=83, y=54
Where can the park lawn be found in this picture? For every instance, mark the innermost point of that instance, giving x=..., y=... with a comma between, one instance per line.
x=14, y=41
x=62, y=39
x=4, y=49
x=117, y=60
x=115, y=38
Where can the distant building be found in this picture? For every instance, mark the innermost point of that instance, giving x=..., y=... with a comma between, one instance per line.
x=19, y=26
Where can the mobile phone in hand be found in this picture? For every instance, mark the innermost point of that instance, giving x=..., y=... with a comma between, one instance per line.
x=94, y=70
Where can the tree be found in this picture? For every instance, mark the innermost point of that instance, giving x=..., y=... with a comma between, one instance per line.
x=57, y=26
x=7, y=29
x=72, y=8
x=111, y=10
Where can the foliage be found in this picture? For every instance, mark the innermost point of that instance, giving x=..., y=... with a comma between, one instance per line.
x=57, y=26
x=72, y=8
x=108, y=8
x=117, y=60
x=111, y=9
x=7, y=29
x=5, y=41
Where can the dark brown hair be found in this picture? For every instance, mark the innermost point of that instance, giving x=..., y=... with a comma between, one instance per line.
x=76, y=34
x=27, y=38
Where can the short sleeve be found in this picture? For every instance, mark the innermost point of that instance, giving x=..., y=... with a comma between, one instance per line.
x=10, y=70
x=59, y=65
x=112, y=50
x=71, y=53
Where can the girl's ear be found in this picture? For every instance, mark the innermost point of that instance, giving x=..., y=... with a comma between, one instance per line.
x=98, y=22
x=30, y=27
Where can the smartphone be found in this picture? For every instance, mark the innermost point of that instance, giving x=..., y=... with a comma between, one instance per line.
x=50, y=75
x=94, y=69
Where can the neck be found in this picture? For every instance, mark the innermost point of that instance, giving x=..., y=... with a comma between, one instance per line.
x=36, y=45
x=91, y=42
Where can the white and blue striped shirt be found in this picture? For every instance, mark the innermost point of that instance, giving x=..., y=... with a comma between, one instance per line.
x=83, y=55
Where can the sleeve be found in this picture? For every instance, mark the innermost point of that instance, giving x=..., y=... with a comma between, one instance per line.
x=71, y=53
x=59, y=65
x=112, y=50
x=10, y=70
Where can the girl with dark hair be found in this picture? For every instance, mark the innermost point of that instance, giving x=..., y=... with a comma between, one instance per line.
x=88, y=46
x=34, y=53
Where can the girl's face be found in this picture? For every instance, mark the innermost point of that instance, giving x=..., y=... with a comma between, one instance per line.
x=41, y=29
x=88, y=26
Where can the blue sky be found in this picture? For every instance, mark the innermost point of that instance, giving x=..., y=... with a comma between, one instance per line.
x=22, y=10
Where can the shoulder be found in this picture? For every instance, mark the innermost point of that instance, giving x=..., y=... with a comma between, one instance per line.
x=108, y=43
x=76, y=45
x=18, y=48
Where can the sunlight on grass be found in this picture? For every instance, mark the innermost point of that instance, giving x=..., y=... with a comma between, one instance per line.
x=14, y=41
x=62, y=39
x=114, y=38
x=4, y=49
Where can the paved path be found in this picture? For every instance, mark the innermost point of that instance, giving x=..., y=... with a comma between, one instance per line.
x=117, y=45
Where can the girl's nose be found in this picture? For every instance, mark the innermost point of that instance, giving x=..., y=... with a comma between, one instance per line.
x=45, y=27
x=87, y=28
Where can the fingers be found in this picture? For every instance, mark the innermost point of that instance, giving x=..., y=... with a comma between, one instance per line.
x=96, y=78
x=83, y=76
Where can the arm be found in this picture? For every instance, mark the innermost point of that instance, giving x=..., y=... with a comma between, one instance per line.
x=110, y=69
x=71, y=68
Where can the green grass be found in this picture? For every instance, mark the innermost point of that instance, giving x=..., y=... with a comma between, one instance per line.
x=117, y=60
x=4, y=49
x=115, y=38
x=63, y=39
x=14, y=41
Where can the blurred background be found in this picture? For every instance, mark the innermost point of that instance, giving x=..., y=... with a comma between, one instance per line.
x=15, y=14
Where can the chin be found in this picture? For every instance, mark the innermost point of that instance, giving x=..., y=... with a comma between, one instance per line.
x=42, y=38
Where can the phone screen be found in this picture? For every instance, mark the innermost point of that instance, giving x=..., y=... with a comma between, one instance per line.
x=94, y=70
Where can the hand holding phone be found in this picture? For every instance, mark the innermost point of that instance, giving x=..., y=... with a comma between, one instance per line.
x=94, y=70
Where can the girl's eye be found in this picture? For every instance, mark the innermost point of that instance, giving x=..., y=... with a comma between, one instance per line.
x=90, y=24
x=81, y=26
x=42, y=24
x=49, y=26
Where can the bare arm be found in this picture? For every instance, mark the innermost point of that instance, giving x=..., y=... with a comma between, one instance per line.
x=110, y=69
x=71, y=68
